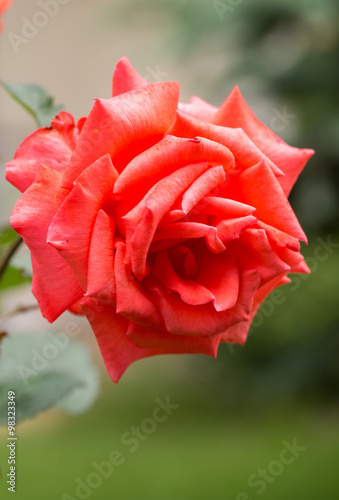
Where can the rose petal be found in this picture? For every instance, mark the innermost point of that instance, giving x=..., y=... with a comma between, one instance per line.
x=133, y=300
x=163, y=159
x=51, y=146
x=54, y=284
x=198, y=108
x=71, y=229
x=152, y=209
x=101, y=280
x=181, y=231
x=124, y=126
x=238, y=333
x=203, y=321
x=243, y=148
x=126, y=78
x=176, y=344
x=220, y=275
x=190, y=291
x=235, y=113
x=258, y=254
x=272, y=207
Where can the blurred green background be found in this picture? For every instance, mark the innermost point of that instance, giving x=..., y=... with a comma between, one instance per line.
x=235, y=413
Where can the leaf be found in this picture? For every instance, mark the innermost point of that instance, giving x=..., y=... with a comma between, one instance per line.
x=46, y=371
x=14, y=277
x=7, y=235
x=35, y=100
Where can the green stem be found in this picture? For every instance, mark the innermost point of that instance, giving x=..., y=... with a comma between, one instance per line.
x=9, y=254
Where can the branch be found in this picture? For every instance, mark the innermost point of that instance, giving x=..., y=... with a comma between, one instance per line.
x=9, y=254
x=18, y=310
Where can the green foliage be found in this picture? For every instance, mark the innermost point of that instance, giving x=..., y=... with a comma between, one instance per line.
x=45, y=371
x=7, y=235
x=35, y=100
x=13, y=277
x=20, y=270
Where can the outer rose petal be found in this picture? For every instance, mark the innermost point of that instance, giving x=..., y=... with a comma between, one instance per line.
x=126, y=78
x=258, y=187
x=237, y=334
x=51, y=146
x=124, y=126
x=54, y=284
x=119, y=351
x=198, y=108
x=257, y=253
x=71, y=229
x=235, y=113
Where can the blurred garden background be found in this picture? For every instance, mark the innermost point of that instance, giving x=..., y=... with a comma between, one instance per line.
x=236, y=413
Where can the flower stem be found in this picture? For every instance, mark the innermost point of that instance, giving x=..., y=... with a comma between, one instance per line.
x=9, y=254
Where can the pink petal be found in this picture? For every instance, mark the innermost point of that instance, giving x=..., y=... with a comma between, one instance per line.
x=190, y=291
x=71, y=229
x=242, y=147
x=258, y=187
x=220, y=274
x=139, y=233
x=101, y=280
x=181, y=231
x=204, y=321
x=237, y=334
x=163, y=159
x=119, y=351
x=235, y=113
x=225, y=208
x=258, y=254
x=126, y=78
x=51, y=146
x=198, y=108
x=133, y=300
x=176, y=344
x=124, y=126
x=54, y=284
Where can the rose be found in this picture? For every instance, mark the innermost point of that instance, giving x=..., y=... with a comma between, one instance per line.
x=169, y=223
x=4, y=5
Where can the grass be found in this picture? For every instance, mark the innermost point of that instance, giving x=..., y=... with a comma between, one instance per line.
x=199, y=452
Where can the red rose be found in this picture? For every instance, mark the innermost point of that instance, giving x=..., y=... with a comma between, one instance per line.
x=4, y=5
x=169, y=222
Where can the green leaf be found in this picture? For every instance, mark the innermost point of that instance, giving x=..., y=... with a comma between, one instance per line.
x=14, y=277
x=35, y=100
x=7, y=235
x=45, y=371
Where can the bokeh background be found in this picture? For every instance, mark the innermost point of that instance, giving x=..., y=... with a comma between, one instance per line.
x=235, y=413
